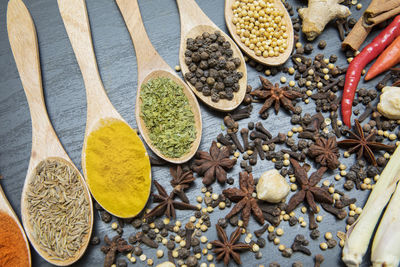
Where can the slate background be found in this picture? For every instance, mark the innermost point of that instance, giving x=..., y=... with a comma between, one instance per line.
x=66, y=103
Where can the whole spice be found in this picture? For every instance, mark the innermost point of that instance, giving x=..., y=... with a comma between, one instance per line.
x=325, y=152
x=360, y=232
x=58, y=205
x=309, y=190
x=213, y=165
x=363, y=144
x=112, y=247
x=389, y=104
x=181, y=181
x=117, y=169
x=168, y=117
x=246, y=203
x=226, y=248
x=272, y=187
x=356, y=66
x=13, y=250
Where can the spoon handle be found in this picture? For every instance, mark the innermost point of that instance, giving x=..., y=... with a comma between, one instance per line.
x=147, y=57
x=24, y=46
x=191, y=15
x=76, y=22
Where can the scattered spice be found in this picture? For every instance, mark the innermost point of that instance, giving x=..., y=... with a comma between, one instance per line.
x=226, y=248
x=169, y=119
x=117, y=168
x=58, y=206
x=325, y=152
x=112, y=247
x=13, y=248
x=181, y=181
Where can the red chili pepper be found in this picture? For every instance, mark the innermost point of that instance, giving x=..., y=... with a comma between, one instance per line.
x=356, y=66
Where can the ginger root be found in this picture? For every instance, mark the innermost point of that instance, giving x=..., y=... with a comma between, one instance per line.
x=319, y=13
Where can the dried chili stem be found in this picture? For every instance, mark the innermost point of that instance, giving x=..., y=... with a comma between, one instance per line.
x=360, y=233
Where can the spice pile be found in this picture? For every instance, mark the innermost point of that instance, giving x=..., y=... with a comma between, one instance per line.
x=168, y=117
x=212, y=67
x=261, y=27
x=13, y=251
x=58, y=209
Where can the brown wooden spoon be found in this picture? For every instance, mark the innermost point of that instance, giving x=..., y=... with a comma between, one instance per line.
x=45, y=144
x=271, y=61
x=194, y=23
x=99, y=107
x=151, y=65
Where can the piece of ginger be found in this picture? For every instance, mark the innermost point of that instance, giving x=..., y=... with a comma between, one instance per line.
x=319, y=13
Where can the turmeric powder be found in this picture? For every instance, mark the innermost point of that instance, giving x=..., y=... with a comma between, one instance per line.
x=118, y=169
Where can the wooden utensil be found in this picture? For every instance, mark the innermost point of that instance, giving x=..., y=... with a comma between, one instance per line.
x=6, y=208
x=271, y=61
x=193, y=23
x=151, y=65
x=45, y=144
x=99, y=107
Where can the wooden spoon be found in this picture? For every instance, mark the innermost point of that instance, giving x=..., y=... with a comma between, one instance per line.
x=194, y=23
x=151, y=65
x=99, y=107
x=272, y=61
x=45, y=144
x=6, y=208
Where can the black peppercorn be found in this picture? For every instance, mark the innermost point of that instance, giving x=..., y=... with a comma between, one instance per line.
x=137, y=251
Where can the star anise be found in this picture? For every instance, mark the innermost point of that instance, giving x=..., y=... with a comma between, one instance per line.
x=213, y=165
x=273, y=94
x=245, y=200
x=229, y=248
x=181, y=181
x=325, y=152
x=167, y=204
x=112, y=247
x=309, y=190
x=362, y=144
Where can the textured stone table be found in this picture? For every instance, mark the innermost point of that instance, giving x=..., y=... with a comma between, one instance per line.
x=66, y=102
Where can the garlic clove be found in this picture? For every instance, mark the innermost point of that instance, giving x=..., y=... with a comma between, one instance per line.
x=389, y=104
x=272, y=187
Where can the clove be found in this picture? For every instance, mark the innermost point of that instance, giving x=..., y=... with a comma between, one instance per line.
x=344, y=202
x=316, y=122
x=299, y=245
x=242, y=113
x=223, y=140
x=258, y=146
x=245, y=136
x=339, y=213
x=261, y=231
x=340, y=26
x=280, y=138
x=366, y=113
x=231, y=124
x=157, y=161
x=236, y=141
x=253, y=158
x=297, y=156
x=319, y=259
x=333, y=116
x=312, y=224
x=255, y=134
x=274, y=220
x=141, y=237
x=269, y=208
x=260, y=128
x=189, y=227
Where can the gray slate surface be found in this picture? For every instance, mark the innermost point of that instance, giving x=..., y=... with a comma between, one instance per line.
x=66, y=102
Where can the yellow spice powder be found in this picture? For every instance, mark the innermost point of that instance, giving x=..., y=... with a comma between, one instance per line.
x=118, y=169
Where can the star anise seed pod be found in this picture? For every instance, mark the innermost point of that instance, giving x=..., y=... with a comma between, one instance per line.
x=325, y=152
x=181, y=181
x=275, y=95
x=309, y=190
x=167, y=204
x=213, y=165
x=228, y=248
x=246, y=203
x=363, y=145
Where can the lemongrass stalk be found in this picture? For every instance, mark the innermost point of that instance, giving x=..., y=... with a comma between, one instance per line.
x=360, y=232
x=386, y=245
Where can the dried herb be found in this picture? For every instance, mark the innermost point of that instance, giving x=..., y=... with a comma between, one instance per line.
x=309, y=190
x=274, y=95
x=213, y=165
x=246, y=203
x=168, y=117
x=112, y=247
x=325, y=152
x=229, y=248
x=181, y=181
x=363, y=145
x=167, y=204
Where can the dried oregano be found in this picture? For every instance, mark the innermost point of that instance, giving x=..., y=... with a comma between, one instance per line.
x=167, y=114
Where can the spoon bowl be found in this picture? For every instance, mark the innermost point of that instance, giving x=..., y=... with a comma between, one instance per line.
x=45, y=144
x=270, y=61
x=6, y=208
x=194, y=23
x=150, y=66
x=99, y=108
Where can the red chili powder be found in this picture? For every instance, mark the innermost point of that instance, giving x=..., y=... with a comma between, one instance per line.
x=13, y=251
